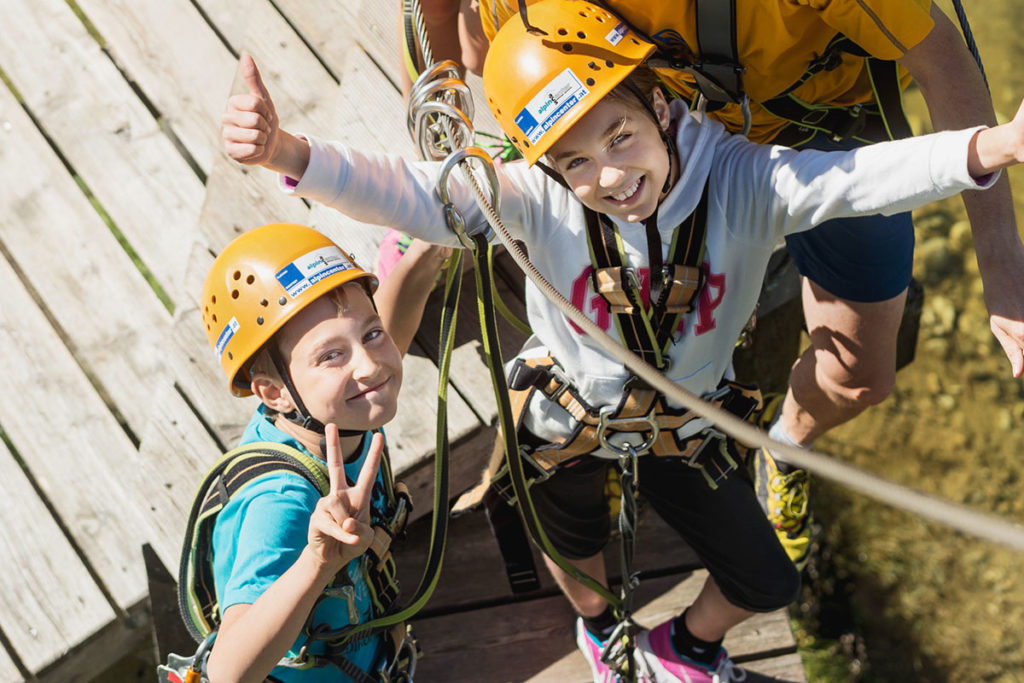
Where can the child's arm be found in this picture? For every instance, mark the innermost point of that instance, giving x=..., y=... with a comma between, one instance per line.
x=996, y=148
x=252, y=133
x=252, y=638
x=402, y=295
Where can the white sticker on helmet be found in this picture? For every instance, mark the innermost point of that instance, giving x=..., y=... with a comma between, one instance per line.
x=617, y=34
x=310, y=268
x=225, y=336
x=553, y=102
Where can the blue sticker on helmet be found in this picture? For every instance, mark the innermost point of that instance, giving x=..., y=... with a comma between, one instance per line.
x=225, y=336
x=549, y=105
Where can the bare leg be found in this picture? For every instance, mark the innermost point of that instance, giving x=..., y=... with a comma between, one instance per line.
x=850, y=365
x=441, y=18
x=711, y=615
x=471, y=37
x=585, y=601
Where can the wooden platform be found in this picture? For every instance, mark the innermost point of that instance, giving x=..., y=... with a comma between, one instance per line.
x=113, y=405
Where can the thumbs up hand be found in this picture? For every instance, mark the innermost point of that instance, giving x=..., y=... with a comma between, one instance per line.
x=251, y=132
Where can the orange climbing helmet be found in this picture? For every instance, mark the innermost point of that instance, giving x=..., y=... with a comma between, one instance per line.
x=260, y=281
x=544, y=71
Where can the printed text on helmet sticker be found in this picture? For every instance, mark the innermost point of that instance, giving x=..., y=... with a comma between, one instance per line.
x=553, y=102
x=310, y=268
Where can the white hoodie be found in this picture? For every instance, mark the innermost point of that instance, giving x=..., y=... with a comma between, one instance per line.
x=757, y=194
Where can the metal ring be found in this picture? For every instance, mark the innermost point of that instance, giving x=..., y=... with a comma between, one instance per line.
x=451, y=90
x=606, y=422
x=462, y=133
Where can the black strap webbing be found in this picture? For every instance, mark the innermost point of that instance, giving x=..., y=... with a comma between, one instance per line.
x=648, y=336
x=719, y=71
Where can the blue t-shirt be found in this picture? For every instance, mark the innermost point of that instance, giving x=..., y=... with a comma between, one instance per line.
x=261, y=532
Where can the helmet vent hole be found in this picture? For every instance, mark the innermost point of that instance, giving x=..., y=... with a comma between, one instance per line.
x=566, y=47
x=608, y=63
x=590, y=82
x=207, y=327
x=234, y=293
x=600, y=19
x=250, y=279
x=213, y=299
x=231, y=356
x=259, y=320
x=282, y=301
x=562, y=32
x=237, y=275
x=264, y=302
x=214, y=317
x=581, y=35
x=635, y=41
x=583, y=14
x=594, y=66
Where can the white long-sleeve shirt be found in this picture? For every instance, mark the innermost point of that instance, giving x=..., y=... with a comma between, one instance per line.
x=757, y=194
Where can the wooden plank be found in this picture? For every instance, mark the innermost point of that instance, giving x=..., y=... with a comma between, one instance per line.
x=104, y=131
x=112, y=319
x=71, y=444
x=474, y=574
x=239, y=198
x=782, y=668
x=173, y=55
x=48, y=601
x=197, y=373
x=533, y=640
x=117, y=328
x=8, y=669
x=83, y=664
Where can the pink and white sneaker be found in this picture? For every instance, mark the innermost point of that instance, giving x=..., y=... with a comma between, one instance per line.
x=657, y=661
x=591, y=648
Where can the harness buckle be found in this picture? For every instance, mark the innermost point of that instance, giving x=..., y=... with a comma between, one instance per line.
x=707, y=456
x=606, y=422
x=544, y=472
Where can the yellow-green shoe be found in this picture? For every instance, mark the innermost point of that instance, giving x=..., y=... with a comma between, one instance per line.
x=784, y=498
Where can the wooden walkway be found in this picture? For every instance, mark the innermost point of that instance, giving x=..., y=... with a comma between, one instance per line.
x=113, y=405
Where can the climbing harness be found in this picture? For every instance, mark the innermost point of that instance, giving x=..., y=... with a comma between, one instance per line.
x=197, y=596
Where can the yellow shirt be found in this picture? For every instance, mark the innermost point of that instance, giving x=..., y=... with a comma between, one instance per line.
x=776, y=40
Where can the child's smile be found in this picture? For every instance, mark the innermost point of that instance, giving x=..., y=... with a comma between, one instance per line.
x=614, y=159
x=345, y=367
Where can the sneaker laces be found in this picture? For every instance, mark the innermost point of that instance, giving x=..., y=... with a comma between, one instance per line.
x=788, y=501
x=727, y=672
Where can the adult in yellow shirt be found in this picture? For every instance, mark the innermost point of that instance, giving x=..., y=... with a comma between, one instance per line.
x=856, y=271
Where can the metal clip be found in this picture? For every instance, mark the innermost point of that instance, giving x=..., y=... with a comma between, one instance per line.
x=348, y=594
x=457, y=158
x=605, y=422
x=440, y=111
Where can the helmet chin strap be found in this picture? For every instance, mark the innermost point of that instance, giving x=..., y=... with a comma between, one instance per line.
x=670, y=144
x=300, y=415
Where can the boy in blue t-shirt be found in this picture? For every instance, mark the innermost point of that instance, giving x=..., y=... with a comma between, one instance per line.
x=291, y=319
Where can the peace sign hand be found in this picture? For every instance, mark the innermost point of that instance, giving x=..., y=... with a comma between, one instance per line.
x=339, y=529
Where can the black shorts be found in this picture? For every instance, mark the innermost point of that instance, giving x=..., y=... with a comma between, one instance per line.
x=725, y=526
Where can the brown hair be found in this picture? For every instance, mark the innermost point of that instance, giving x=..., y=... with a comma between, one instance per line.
x=641, y=79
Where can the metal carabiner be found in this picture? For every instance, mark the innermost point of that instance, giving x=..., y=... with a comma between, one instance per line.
x=453, y=91
x=455, y=220
x=428, y=137
x=605, y=422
